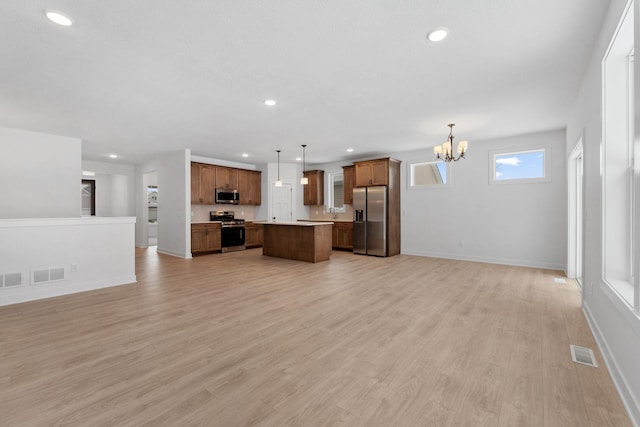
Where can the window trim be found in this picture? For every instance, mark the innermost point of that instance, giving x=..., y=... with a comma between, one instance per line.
x=428, y=186
x=545, y=148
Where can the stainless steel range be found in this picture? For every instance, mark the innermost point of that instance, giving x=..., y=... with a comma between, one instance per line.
x=233, y=236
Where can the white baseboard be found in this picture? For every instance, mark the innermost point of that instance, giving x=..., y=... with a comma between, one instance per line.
x=185, y=255
x=628, y=400
x=37, y=292
x=514, y=262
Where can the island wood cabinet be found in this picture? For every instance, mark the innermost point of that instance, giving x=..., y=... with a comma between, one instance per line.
x=206, y=238
x=205, y=178
x=348, y=177
x=249, y=187
x=254, y=235
x=371, y=173
x=342, y=238
x=226, y=178
x=302, y=241
x=314, y=190
x=203, y=184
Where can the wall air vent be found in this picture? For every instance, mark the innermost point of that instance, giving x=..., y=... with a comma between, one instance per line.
x=47, y=275
x=583, y=355
x=9, y=280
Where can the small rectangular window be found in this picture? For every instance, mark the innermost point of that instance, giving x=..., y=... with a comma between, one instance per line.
x=519, y=166
x=428, y=174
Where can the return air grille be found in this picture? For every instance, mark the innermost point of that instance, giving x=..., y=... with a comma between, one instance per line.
x=583, y=355
x=47, y=275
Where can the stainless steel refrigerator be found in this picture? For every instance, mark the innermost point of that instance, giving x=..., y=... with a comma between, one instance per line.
x=370, y=221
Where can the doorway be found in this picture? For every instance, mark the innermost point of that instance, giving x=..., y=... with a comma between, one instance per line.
x=88, y=191
x=576, y=213
x=281, y=203
x=151, y=187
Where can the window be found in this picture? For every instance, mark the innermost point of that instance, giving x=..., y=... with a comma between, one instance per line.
x=428, y=174
x=336, y=193
x=618, y=192
x=524, y=166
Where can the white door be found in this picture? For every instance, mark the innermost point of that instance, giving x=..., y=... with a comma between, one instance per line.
x=281, y=203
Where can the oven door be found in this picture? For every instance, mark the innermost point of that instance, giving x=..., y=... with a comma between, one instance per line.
x=233, y=235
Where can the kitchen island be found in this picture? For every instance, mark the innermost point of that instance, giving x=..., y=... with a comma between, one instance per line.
x=298, y=240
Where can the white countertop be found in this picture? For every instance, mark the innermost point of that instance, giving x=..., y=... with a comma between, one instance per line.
x=206, y=222
x=298, y=223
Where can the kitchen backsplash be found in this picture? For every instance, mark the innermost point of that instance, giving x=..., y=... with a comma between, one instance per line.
x=322, y=214
x=201, y=212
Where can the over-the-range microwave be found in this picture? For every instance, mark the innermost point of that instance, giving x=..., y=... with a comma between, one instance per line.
x=227, y=197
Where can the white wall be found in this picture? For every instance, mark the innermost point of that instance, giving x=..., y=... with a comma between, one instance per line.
x=174, y=188
x=517, y=224
x=39, y=175
x=101, y=249
x=115, y=195
x=615, y=327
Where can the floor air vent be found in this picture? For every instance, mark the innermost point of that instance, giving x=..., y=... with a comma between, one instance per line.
x=9, y=280
x=47, y=275
x=583, y=355
x=560, y=280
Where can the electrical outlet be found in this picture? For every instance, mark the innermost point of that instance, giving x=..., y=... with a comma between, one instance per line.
x=461, y=244
x=74, y=268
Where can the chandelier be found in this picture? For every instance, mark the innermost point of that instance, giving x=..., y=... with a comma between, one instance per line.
x=444, y=152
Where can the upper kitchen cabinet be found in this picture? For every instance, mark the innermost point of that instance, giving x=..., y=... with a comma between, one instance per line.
x=371, y=173
x=314, y=190
x=203, y=184
x=249, y=186
x=349, y=178
x=226, y=178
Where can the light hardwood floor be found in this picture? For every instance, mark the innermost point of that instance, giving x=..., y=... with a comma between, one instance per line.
x=239, y=339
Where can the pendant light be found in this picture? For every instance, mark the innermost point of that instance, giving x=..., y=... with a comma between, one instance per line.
x=278, y=182
x=304, y=180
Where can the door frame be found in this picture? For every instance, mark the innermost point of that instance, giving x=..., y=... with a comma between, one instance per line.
x=92, y=184
x=575, y=220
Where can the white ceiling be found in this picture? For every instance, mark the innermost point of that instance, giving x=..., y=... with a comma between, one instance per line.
x=142, y=77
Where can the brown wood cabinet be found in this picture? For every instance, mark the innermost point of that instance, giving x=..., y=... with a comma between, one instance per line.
x=205, y=178
x=314, y=190
x=206, y=238
x=254, y=236
x=372, y=172
x=348, y=176
x=303, y=242
x=203, y=184
x=249, y=187
x=226, y=178
x=342, y=235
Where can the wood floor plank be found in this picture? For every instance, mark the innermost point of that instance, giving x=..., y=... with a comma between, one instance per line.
x=239, y=339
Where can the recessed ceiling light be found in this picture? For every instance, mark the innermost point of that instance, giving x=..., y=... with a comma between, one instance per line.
x=113, y=156
x=438, y=34
x=245, y=155
x=298, y=159
x=349, y=150
x=270, y=102
x=59, y=17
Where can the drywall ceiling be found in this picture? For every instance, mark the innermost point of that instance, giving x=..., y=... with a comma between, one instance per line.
x=142, y=77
